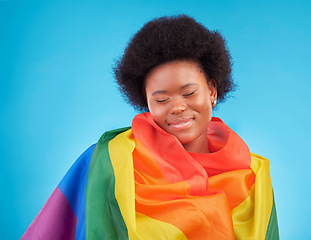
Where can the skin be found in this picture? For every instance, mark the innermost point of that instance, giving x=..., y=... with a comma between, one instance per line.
x=180, y=100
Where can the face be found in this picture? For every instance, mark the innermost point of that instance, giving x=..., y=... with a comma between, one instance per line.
x=180, y=101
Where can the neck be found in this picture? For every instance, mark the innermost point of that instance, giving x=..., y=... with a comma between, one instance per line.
x=199, y=145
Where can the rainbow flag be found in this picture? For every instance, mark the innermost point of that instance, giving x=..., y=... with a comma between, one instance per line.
x=139, y=183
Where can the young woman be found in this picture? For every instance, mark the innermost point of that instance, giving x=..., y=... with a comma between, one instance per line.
x=177, y=173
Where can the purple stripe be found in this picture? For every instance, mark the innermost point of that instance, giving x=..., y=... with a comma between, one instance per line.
x=56, y=220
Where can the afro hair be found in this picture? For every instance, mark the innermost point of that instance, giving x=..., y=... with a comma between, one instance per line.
x=169, y=39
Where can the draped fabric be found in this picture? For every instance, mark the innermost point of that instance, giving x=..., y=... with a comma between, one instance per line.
x=140, y=183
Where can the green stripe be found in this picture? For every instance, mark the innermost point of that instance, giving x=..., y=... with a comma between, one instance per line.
x=273, y=229
x=103, y=219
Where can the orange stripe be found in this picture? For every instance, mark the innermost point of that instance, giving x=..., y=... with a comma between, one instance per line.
x=235, y=184
x=198, y=218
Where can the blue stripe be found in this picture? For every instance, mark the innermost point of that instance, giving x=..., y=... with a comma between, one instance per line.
x=73, y=186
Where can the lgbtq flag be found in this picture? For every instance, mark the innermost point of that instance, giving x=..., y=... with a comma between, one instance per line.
x=139, y=183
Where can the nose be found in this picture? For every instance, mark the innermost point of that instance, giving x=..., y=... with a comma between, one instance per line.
x=178, y=105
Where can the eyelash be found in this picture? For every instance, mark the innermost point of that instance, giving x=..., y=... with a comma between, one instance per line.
x=189, y=94
x=161, y=101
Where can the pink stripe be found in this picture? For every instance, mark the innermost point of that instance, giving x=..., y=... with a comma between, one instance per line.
x=56, y=220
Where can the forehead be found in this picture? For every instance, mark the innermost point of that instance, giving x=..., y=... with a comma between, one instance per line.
x=175, y=74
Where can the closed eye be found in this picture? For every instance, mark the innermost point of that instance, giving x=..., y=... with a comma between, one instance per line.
x=164, y=100
x=189, y=94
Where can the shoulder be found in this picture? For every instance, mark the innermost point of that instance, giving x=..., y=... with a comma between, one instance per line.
x=259, y=164
x=259, y=158
x=83, y=161
x=107, y=136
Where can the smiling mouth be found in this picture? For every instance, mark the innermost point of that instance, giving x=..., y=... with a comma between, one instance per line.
x=181, y=124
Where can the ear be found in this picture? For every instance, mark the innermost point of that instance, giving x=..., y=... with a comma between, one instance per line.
x=213, y=90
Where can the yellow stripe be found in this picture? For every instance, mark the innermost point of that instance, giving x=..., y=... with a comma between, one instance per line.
x=251, y=217
x=155, y=229
x=120, y=151
x=139, y=226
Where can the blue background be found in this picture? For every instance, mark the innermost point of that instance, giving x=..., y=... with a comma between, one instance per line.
x=57, y=92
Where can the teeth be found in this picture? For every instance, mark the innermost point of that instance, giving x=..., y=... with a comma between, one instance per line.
x=181, y=122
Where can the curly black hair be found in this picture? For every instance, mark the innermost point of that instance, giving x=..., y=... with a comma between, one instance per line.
x=169, y=39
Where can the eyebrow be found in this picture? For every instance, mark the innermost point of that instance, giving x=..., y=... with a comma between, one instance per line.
x=164, y=91
x=188, y=84
x=158, y=92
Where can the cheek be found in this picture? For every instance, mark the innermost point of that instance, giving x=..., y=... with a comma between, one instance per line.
x=202, y=105
x=158, y=113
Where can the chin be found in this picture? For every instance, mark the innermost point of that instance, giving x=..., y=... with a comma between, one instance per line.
x=185, y=139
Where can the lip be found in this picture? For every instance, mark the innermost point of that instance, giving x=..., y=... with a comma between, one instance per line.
x=181, y=123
